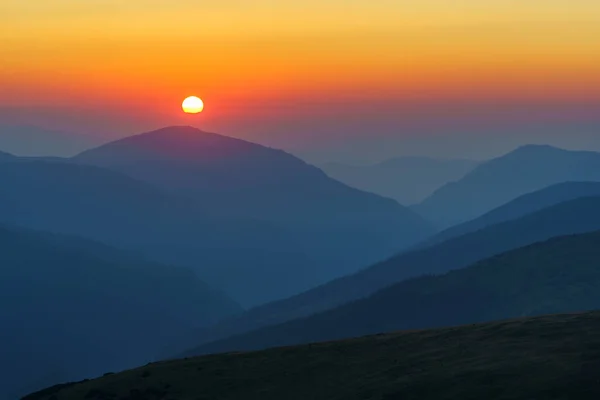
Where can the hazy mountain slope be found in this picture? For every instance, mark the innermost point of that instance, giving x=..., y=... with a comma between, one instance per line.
x=503, y=179
x=408, y=180
x=559, y=275
x=70, y=308
x=576, y=216
x=520, y=207
x=232, y=176
x=535, y=358
x=5, y=156
x=253, y=260
x=26, y=140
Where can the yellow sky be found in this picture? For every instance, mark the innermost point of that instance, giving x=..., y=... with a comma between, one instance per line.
x=116, y=50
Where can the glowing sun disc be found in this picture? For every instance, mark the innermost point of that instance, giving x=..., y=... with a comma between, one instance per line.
x=192, y=105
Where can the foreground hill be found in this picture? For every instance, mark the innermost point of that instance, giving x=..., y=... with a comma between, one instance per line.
x=576, y=216
x=520, y=207
x=534, y=358
x=408, y=180
x=505, y=178
x=70, y=308
x=556, y=276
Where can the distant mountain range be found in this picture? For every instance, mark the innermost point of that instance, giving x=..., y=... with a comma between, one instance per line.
x=408, y=180
x=498, y=181
x=520, y=207
x=527, y=358
x=559, y=275
x=72, y=308
x=253, y=221
x=575, y=216
x=33, y=141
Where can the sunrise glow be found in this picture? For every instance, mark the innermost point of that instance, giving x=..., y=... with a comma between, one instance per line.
x=192, y=105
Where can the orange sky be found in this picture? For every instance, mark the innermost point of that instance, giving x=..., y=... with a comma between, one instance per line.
x=268, y=58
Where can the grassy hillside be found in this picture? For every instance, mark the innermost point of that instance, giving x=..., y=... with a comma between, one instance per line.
x=556, y=276
x=551, y=357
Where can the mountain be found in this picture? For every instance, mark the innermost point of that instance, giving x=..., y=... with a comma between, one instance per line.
x=34, y=141
x=71, y=308
x=408, y=180
x=531, y=358
x=232, y=178
x=520, y=207
x=556, y=276
x=5, y=156
x=503, y=179
x=576, y=216
x=251, y=260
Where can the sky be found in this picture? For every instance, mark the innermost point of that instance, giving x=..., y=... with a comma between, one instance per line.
x=331, y=79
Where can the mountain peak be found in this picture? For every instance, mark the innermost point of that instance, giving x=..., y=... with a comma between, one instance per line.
x=537, y=148
x=181, y=143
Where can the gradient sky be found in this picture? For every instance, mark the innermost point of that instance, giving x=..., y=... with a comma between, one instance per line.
x=337, y=79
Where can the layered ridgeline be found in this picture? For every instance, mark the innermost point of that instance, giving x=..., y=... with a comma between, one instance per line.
x=409, y=180
x=575, y=216
x=241, y=256
x=256, y=222
x=230, y=178
x=72, y=308
x=503, y=179
x=520, y=207
x=535, y=358
x=559, y=275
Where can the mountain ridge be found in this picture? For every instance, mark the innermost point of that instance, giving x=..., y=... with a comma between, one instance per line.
x=500, y=180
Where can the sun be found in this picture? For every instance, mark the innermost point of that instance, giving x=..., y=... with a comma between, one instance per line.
x=192, y=105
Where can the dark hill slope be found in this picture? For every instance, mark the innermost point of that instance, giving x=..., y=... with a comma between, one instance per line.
x=551, y=357
x=576, y=216
x=556, y=276
x=520, y=207
x=70, y=308
x=505, y=178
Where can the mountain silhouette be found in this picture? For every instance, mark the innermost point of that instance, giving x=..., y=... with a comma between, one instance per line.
x=408, y=180
x=231, y=178
x=575, y=216
x=556, y=276
x=238, y=177
x=72, y=308
x=498, y=181
x=520, y=207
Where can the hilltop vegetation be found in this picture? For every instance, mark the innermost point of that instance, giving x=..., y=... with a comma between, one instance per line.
x=555, y=357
